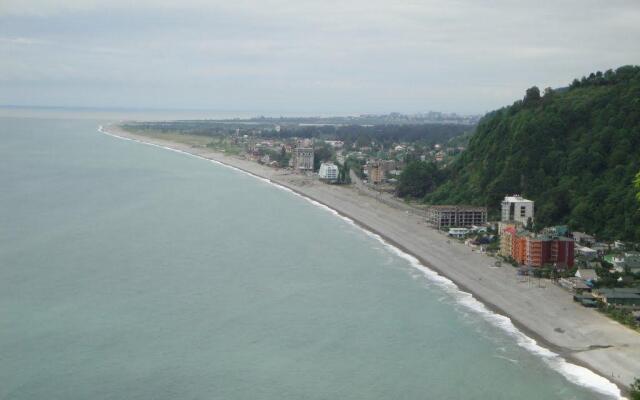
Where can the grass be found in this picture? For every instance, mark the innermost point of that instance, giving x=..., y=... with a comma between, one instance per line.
x=192, y=140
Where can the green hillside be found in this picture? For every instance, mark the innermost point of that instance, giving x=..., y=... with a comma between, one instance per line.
x=575, y=151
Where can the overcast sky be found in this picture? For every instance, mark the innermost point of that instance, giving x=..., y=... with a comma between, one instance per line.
x=279, y=56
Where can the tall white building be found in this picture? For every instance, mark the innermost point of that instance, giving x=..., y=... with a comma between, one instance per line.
x=516, y=208
x=328, y=172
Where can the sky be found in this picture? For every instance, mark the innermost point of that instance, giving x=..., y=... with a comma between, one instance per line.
x=301, y=56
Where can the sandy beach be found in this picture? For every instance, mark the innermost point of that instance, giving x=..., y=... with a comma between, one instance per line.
x=538, y=308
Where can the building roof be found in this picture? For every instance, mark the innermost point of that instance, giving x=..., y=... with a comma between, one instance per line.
x=585, y=249
x=457, y=207
x=516, y=199
x=561, y=230
x=621, y=293
x=616, y=295
x=582, y=235
x=587, y=274
x=584, y=296
x=576, y=283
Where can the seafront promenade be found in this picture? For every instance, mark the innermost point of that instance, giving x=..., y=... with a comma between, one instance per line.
x=542, y=311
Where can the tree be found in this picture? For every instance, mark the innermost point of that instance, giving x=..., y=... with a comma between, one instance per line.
x=572, y=152
x=343, y=173
x=417, y=179
x=320, y=155
x=637, y=182
x=635, y=390
x=532, y=95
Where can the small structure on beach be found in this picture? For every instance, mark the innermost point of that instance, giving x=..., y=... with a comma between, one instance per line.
x=458, y=232
x=587, y=275
x=575, y=285
x=623, y=297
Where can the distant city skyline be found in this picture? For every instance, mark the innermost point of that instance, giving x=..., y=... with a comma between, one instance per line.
x=305, y=57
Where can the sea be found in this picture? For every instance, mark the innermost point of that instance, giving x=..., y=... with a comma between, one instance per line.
x=129, y=271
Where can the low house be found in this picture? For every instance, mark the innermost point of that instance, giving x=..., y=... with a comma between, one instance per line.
x=583, y=238
x=587, y=275
x=586, y=299
x=623, y=297
x=600, y=247
x=586, y=252
x=628, y=260
x=576, y=285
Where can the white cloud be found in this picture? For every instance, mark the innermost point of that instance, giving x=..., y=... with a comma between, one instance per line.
x=458, y=55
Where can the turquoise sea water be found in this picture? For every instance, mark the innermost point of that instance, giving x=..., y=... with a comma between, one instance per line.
x=132, y=272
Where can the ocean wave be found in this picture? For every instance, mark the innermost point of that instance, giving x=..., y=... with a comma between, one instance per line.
x=574, y=373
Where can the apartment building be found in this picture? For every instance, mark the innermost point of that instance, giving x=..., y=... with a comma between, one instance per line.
x=456, y=216
x=302, y=158
x=518, y=209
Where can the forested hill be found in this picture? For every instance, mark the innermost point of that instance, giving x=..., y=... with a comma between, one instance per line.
x=574, y=151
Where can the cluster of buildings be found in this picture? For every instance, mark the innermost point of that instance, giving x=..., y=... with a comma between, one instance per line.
x=552, y=247
x=627, y=261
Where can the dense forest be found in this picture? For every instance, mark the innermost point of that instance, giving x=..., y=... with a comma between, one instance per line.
x=387, y=135
x=575, y=151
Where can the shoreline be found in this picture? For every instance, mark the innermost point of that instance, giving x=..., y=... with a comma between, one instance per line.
x=535, y=340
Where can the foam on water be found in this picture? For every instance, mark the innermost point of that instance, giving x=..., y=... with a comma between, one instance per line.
x=574, y=373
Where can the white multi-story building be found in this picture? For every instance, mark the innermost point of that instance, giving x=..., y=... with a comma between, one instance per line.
x=328, y=172
x=516, y=208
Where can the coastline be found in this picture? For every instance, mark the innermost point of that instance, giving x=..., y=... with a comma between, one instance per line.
x=546, y=315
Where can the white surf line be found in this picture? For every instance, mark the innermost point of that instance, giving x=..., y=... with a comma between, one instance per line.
x=574, y=373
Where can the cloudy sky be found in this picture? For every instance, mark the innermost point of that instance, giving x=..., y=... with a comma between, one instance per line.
x=325, y=56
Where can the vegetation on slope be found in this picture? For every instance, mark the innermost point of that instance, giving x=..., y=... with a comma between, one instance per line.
x=575, y=151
